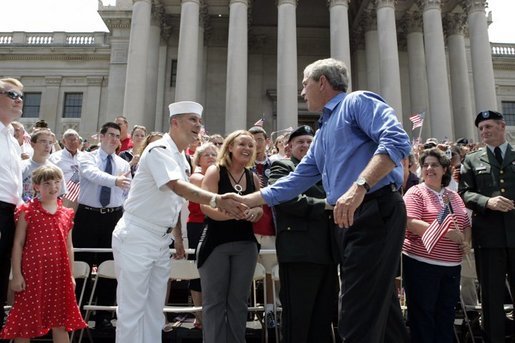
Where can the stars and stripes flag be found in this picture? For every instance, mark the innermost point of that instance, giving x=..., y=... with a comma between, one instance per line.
x=438, y=227
x=73, y=187
x=417, y=120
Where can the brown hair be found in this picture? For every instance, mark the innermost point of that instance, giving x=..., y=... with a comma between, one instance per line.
x=46, y=172
x=225, y=157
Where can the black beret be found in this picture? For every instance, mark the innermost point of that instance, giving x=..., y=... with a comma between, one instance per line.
x=301, y=131
x=485, y=115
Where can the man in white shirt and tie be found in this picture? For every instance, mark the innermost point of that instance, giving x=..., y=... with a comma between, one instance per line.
x=104, y=180
x=11, y=105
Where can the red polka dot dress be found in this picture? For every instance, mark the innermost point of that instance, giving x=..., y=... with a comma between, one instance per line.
x=49, y=298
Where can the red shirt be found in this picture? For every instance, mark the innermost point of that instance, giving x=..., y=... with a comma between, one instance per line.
x=126, y=144
x=423, y=203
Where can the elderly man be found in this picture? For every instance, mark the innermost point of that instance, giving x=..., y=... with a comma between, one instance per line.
x=11, y=105
x=487, y=185
x=307, y=253
x=358, y=154
x=141, y=239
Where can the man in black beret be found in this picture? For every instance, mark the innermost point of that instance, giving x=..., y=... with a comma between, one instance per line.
x=487, y=186
x=306, y=254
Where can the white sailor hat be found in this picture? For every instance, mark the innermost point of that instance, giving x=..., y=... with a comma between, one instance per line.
x=183, y=107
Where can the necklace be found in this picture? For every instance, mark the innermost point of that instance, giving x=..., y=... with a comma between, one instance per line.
x=237, y=187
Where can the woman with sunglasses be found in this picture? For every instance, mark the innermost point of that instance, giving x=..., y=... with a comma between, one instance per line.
x=228, y=253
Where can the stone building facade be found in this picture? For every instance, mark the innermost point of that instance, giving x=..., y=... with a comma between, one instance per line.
x=243, y=60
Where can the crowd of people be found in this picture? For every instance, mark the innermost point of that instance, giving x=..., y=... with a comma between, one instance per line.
x=356, y=195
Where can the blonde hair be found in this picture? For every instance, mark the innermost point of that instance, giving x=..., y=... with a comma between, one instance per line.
x=225, y=156
x=11, y=81
x=200, y=150
x=46, y=172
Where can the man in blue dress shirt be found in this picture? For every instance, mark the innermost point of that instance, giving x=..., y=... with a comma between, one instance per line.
x=358, y=153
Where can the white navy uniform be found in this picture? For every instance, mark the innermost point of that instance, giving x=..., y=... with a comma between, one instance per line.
x=141, y=242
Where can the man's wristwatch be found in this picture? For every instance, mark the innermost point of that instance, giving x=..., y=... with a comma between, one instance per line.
x=212, y=202
x=361, y=181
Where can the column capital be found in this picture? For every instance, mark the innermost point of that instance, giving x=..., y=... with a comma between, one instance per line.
x=286, y=2
x=455, y=24
x=331, y=3
x=384, y=3
x=429, y=4
x=369, y=21
x=471, y=6
x=53, y=80
x=134, y=1
x=412, y=22
x=194, y=1
x=245, y=2
x=94, y=80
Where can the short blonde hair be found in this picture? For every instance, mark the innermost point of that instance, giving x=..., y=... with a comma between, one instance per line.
x=225, y=157
x=46, y=172
x=11, y=81
x=200, y=150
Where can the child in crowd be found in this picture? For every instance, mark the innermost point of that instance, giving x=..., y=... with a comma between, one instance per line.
x=42, y=260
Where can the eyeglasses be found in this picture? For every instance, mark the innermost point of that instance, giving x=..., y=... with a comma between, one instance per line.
x=13, y=95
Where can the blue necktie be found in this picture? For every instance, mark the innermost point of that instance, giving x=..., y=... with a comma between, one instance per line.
x=105, y=192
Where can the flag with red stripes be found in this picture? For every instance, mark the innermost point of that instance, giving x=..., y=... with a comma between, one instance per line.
x=73, y=187
x=260, y=122
x=438, y=228
x=417, y=120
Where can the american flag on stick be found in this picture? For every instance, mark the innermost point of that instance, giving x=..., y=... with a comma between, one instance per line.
x=438, y=227
x=73, y=187
x=260, y=122
x=417, y=120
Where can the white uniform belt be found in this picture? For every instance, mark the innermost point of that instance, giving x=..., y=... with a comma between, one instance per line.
x=147, y=225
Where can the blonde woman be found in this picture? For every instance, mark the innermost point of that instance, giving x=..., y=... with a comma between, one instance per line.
x=228, y=253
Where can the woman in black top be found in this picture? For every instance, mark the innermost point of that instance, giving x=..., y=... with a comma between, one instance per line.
x=228, y=253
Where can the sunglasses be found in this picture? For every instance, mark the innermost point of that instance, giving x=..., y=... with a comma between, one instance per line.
x=12, y=95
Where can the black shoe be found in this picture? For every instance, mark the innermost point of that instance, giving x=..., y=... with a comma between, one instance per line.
x=103, y=324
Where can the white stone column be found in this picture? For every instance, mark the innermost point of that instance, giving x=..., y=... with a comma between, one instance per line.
x=461, y=102
x=91, y=105
x=120, y=35
x=161, y=116
x=481, y=53
x=389, y=55
x=372, y=51
x=237, y=61
x=417, y=73
x=152, y=72
x=287, y=86
x=339, y=26
x=49, y=104
x=439, y=97
x=359, y=61
x=135, y=83
x=187, y=60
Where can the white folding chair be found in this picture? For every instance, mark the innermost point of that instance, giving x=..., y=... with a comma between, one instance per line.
x=183, y=270
x=80, y=271
x=258, y=308
x=277, y=304
x=105, y=270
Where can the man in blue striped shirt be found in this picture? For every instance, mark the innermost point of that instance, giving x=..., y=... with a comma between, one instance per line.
x=357, y=152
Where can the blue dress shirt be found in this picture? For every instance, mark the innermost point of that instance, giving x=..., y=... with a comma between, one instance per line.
x=353, y=128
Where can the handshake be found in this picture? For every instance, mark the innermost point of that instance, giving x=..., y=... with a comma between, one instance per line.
x=242, y=207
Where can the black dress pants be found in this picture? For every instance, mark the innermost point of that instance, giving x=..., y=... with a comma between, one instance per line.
x=370, y=252
x=7, y=228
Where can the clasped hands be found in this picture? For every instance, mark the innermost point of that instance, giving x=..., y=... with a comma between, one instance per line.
x=239, y=207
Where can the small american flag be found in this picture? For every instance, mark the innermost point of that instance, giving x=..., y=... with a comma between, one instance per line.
x=438, y=228
x=260, y=122
x=73, y=187
x=417, y=120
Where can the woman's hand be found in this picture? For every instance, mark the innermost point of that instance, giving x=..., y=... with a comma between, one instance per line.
x=18, y=283
x=74, y=284
x=180, y=252
x=465, y=247
x=254, y=214
x=456, y=236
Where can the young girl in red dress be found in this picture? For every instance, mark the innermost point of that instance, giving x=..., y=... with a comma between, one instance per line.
x=42, y=260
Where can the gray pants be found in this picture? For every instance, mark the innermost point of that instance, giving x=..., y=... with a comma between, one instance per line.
x=226, y=277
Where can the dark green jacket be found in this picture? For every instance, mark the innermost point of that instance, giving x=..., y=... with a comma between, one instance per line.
x=303, y=231
x=482, y=178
